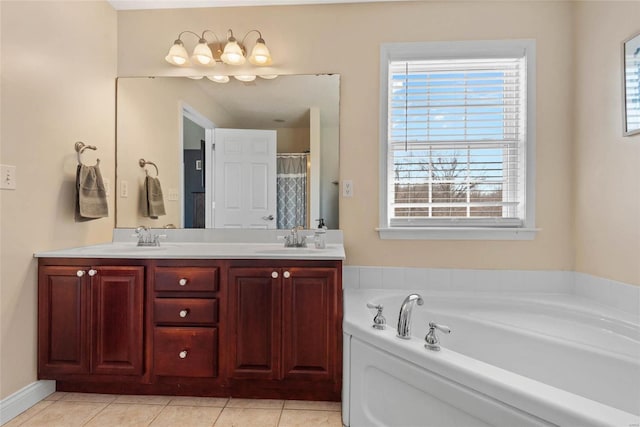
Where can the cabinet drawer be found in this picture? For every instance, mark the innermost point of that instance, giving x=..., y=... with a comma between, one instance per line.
x=185, y=352
x=188, y=279
x=185, y=310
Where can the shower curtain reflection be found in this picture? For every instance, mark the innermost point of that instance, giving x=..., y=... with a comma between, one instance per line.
x=292, y=190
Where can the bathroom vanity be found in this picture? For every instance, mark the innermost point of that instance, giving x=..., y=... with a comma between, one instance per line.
x=203, y=319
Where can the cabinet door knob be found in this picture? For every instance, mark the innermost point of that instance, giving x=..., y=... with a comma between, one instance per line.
x=182, y=282
x=93, y=272
x=80, y=273
x=183, y=354
x=286, y=274
x=274, y=274
x=184, y=312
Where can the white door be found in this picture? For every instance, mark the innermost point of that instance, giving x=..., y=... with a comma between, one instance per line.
x=244, y=192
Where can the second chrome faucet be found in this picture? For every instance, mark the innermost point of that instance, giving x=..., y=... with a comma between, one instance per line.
x=404, y=318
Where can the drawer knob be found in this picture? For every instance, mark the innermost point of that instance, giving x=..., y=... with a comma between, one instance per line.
x=274, y=274
x=80, y=273
x=182, y=281
x=184, y=312
x=286, y=274
x=93, y=272
x=183, y=354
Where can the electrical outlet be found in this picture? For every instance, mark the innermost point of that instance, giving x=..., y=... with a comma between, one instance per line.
x=172, y=194
x=347, y=188
x=8, y=177
x=124, y=189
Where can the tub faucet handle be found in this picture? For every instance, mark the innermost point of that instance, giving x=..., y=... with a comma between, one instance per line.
x=432, y=339
x=379, y=322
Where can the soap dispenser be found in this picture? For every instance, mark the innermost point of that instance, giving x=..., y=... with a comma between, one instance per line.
x=319, y=239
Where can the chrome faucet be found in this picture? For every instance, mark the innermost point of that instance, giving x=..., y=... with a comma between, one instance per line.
x=146, y=238
x=295, y=239
x=404, y=319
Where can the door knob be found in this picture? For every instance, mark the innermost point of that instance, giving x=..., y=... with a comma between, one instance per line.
x=80, y=273
x=93, y=272
x=274, y=274
x=183, y=313
x=183, y=354
x=268, y=218
x=286, y=274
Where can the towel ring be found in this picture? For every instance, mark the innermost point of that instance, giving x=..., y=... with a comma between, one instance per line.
x=143, y=163
x=80, y=147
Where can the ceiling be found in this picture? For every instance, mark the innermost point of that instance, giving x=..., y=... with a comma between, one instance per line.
x=286, y=99
x=178, y=4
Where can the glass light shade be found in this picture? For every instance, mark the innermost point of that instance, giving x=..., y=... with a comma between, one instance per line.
x=177, y=54
x=268, y=76
x=202, y=54
x=245, y=78
x=219, y=79
x=232, y=53
x=260, y=54
x=195, y=77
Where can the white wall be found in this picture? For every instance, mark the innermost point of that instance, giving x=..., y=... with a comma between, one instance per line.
x=58, y=68
x=607, y=165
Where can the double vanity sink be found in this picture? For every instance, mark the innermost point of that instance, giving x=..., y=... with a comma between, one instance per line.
x=199, y=250
x=206, y=313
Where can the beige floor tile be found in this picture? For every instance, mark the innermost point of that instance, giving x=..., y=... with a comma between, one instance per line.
x=56, y=395
x=255, y=403
x=218, y=402
x=125, y=415
x=65, y=414
x=191, y=416
x=244, y=417
x=304, y=418
x=142, y=400
x=16, y=421
x=89, y=397
x=314, y=405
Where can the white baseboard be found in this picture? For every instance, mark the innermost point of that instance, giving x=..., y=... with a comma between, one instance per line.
x=23, y=399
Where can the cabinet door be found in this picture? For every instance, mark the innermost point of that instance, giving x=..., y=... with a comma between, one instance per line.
x=117, y=320
x=63, y=344
x=254, y=323
x=310, y=322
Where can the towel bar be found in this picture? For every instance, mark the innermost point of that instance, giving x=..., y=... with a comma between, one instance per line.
x=143, y=163
x=80, y=147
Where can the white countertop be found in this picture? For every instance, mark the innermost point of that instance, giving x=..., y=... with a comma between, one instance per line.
x=199, y=250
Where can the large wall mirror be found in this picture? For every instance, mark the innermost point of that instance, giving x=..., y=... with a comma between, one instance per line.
x=261, y=154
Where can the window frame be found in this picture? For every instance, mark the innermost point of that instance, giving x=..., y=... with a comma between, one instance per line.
x=456, y=50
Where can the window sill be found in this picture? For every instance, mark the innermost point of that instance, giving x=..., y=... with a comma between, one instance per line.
x=457, y=233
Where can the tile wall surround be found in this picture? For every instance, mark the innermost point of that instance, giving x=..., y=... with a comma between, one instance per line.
x=611, y=293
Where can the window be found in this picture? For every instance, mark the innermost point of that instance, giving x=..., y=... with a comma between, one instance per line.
x=457, y=140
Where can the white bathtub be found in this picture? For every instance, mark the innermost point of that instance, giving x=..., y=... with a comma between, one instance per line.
x=512, y=361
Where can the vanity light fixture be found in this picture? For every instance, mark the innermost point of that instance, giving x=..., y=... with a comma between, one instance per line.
x=245, y=78
x=219, y=79
x=208, y=53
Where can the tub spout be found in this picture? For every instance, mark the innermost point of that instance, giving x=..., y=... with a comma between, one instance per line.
x=404, y=319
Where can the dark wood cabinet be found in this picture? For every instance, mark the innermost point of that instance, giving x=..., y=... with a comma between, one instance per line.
x=185, y=321
x=285, y=323
x=241, y=328
x=91, y=320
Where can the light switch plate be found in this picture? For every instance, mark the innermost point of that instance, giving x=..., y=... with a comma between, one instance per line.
x=8, y=177
x=124, y=189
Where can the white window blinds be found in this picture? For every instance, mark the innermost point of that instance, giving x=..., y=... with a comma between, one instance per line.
x=456, y=142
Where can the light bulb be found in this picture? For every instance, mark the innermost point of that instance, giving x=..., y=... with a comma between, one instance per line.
x=260, y=54
x=177, y=54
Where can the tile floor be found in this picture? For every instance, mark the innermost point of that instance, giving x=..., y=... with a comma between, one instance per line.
x=93, y=410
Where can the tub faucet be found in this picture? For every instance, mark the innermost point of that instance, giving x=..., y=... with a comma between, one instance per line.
x=404, y=319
